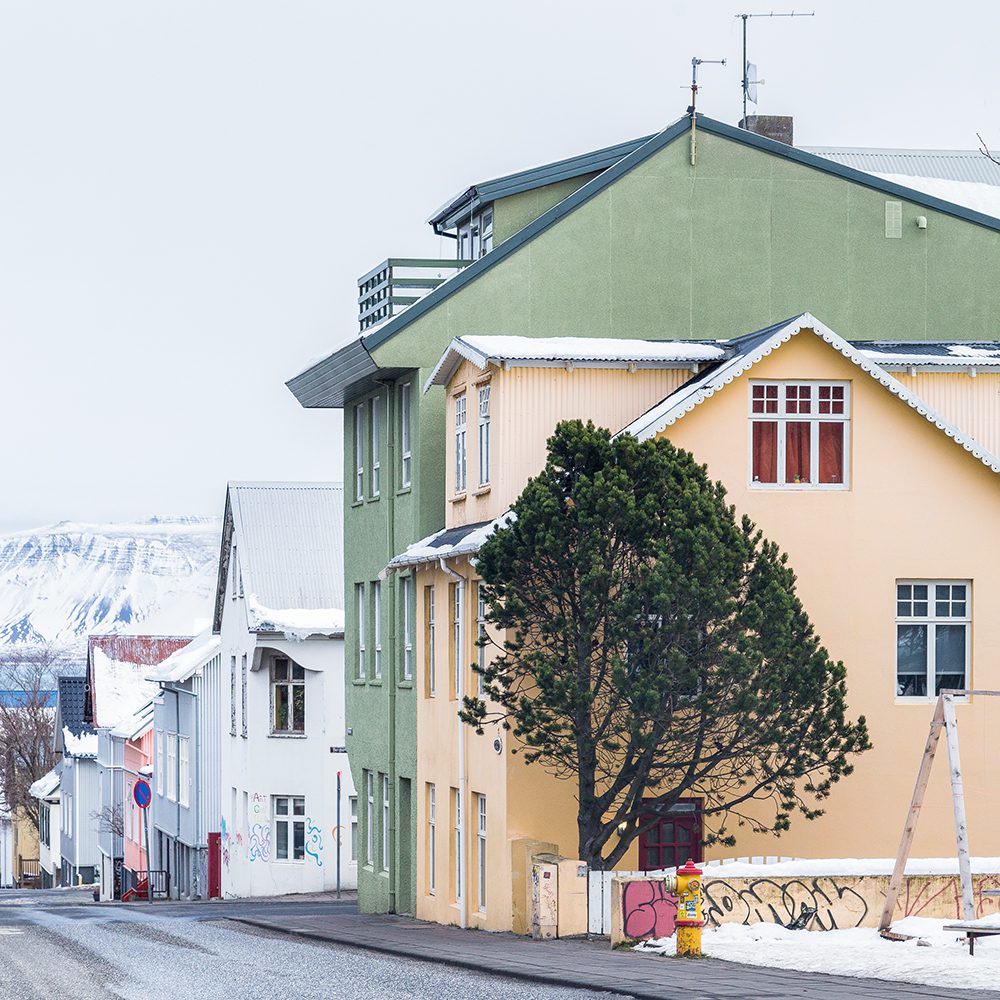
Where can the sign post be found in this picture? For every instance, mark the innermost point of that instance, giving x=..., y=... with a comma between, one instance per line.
x=143, y=795
x=340, y=835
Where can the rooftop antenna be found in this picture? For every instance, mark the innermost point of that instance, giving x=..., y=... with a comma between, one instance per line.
x=747, y=82
x=695, y=63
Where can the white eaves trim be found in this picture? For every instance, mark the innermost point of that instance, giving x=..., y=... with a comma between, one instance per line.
x=570, y=352
x=675, y=406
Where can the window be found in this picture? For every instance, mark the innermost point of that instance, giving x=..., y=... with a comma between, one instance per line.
x=480, y=639
x=232, y=695
x=353, y=803
x=288, y=697
x=481, y=849
x=457, y=800
x=243, y=670
x=376, y=428
x=172, y=766
x=460, y=478
x=405, y=447
x=429, y=637
x=377, y=602
x=385, y=822
x=43, y=823
x=456, y=640
x=359, y=596
x=486, y=230
x=431, y=839
x=184, y=755
x=475, y=237
x=359, y=452
x=289, y=828
x=160, y=767
x=671, y=836
x=484, y=435
x=799, y=434
x=232, y=574
x=370, y=818
x=932, y=637
x=407, y=595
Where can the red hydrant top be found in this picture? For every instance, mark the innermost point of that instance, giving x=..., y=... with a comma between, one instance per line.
x=689, y=869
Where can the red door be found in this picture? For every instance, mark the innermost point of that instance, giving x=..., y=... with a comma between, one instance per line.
x=675, y=838
x=214, y=865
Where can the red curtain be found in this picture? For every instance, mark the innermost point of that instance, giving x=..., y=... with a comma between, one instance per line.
x=831, y=453
x=765, y=451
x=797, y=459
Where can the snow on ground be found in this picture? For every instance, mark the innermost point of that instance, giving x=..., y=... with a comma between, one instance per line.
x=934, y=957
x=802, y=867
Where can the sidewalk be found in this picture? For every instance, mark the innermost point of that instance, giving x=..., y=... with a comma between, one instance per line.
x=591, y=965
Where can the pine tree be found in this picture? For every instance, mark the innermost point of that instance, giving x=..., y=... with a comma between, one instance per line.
x=656, y=649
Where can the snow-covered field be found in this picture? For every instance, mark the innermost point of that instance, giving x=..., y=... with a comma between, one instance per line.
x=934, y=957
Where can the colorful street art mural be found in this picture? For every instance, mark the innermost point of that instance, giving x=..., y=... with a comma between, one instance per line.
x=314, y=842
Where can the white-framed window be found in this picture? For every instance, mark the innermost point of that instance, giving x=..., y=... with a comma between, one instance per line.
x=359, y=452
x=431, y=839
x=370, y=818
x=184, y=758
x=288, y=696
x=243, y=672
x=385, y=822
x=405, y=439
x=359, y=600
x=172, y=766
x=160, y=763
x=407, y=596
x=484, y=435
x=289, y=828
x=933, y=619
x=376, y=429
x=456, y=639
x=353, y=805
x=460, y=442
x=800, y=435
x=480, y=638
x=377, y=608
x=232, y=573
x=430, y=666
x=66, y=812
x=232, y=695
x=457, y=833
x=481, y=849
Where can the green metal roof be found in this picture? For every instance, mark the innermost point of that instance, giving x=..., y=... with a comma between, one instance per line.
x=325, y=382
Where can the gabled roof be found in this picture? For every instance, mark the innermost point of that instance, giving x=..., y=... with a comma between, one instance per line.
x=189, y=660
x=578, y=352
x=327, y=382
x=750, y=349
x=289, y=541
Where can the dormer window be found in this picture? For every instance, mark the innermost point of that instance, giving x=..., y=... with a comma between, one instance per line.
x=799, y=435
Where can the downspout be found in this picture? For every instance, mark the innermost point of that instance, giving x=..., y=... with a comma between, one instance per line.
x=460, y=736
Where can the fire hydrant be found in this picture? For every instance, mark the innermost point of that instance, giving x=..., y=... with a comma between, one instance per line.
x=689, y=920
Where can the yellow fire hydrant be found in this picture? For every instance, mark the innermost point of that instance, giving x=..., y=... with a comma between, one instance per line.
x=689, y=920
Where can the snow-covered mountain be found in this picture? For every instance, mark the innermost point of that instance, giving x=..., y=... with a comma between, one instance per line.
x=60, y=583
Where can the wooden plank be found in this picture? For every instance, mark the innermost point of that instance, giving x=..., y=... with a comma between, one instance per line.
x=958, y=807
x=910, y=826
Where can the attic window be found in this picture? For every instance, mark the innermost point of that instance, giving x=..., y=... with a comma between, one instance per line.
x=893, y=220
x=799, y=435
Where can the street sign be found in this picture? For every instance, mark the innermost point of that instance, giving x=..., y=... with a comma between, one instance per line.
x=142, y=794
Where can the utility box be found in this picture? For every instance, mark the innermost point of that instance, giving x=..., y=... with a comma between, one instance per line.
x=545, y=897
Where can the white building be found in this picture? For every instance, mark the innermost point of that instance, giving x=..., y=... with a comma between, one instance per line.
x=6, y=846
x=47, y=791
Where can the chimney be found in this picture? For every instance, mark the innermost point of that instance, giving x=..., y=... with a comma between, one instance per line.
x=776, y=127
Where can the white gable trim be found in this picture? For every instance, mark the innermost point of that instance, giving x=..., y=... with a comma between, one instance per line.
x=675, y=406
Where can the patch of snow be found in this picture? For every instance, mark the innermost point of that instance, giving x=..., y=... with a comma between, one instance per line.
x=591, y=349
x=984, y=198
x=958, y=355
x=801, y=867
x=426, y=550
x=45, y=786
x=297, y=624
x=857, y=952
x=187, y=660
x=120, y=688
x=84, y=745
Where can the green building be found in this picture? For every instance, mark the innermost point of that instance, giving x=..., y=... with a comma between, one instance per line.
x=633, y=241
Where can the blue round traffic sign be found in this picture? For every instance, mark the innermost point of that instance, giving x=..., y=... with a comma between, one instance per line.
x=142, y=794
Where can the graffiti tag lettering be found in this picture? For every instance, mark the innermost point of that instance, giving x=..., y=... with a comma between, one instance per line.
x=648, y=910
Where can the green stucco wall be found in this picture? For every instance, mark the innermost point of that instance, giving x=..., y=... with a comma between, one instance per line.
x=511, y=215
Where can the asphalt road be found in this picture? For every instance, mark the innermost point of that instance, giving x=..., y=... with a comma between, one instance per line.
x=57, y=944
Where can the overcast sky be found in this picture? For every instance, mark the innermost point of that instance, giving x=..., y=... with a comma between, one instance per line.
x=189, y=190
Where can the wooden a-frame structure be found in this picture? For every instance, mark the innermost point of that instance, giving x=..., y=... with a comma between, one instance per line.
x=943, y=718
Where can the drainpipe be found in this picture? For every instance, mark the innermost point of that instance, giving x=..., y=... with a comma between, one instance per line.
x=460, y=736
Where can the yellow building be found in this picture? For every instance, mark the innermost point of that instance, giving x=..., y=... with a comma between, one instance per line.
x=886, y=501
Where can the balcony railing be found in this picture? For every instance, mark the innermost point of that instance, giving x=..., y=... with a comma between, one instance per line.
x=397, y=283
x=30, y=874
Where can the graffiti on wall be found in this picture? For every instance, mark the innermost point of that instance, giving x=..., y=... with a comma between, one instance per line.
x=825, y=903
x=260, y=843
x=314, y=842
x=648, y=910
x=224, y=840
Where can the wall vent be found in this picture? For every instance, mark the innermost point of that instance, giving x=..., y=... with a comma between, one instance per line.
x=893, y=220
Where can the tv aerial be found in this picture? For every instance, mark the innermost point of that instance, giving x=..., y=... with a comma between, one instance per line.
x=695, y=63
x=750, y=81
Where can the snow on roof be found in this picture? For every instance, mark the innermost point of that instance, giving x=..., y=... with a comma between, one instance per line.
x=979, y=197
x=187, y=660
x=805, y=867
x=47, y=786
x=133, y=726
x=962, y=165
x=582, y=352
x=450, y=542
x=950, y=354
x=750, y=349
x=84, y=745
x=295, y=623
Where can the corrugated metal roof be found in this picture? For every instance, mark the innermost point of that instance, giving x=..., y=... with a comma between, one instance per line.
x=968, y=165
x=289, y=541
x=937, y=353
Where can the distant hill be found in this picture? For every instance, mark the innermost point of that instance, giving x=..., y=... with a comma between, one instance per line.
x=60, y=583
